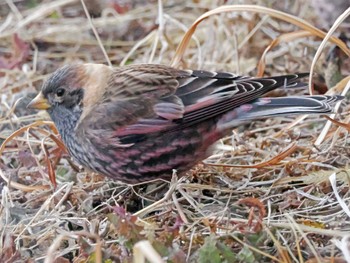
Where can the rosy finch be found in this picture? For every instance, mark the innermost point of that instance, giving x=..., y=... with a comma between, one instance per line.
x=139, y=122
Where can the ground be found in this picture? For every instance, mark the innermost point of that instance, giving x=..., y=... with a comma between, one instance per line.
x=285, y=199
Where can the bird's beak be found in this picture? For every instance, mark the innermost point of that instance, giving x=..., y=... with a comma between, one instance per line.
x=39, y=103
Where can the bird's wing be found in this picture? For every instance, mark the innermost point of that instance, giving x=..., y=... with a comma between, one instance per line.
x=208, y=94
x=143, y=99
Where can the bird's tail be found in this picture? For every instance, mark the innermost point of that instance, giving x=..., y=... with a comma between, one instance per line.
x=271, y=107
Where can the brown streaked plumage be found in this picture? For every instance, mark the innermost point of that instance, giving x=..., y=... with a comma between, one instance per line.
x=139, y=122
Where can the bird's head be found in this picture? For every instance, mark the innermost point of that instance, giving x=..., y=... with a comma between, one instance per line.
x=68, y=86
x=70, y=89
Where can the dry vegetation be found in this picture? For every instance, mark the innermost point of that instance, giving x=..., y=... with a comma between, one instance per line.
x=289, y=208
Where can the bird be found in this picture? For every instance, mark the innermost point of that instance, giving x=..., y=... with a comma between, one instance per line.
x=138, y=123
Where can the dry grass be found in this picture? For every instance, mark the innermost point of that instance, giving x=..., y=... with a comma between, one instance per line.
x=289, y=208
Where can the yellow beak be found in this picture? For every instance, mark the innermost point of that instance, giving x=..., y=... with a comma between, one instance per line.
x=39, y=102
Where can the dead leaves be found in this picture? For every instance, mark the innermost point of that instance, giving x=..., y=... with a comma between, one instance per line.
x=20, y=53
x=133, y=235
x=273, y=161
x=56, y=153
x=9, y=252
x=254, y=203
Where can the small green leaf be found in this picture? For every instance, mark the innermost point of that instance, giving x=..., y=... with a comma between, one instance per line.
x=246, y=255
x=226, y=252
x=31, y=3
x=257, y=238
x=54, y=15
x=209, y=253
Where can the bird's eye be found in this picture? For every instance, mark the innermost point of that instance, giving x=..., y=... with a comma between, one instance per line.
x=60, y=92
